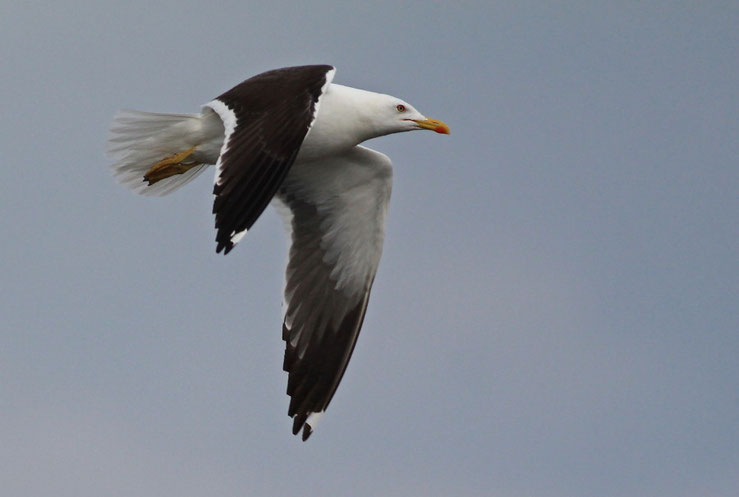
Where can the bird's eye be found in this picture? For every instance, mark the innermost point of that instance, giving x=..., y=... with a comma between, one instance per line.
x=400, y=108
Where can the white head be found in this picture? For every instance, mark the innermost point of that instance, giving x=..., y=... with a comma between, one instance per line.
x=348, y=116
x=362, y=114
x=392, y=115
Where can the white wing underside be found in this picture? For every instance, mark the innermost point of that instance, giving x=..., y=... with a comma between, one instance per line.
x=335, y=209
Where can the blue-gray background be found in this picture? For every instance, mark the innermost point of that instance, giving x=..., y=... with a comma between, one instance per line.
x=556, y=309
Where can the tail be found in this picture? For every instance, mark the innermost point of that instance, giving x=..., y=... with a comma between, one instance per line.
x=139, y=141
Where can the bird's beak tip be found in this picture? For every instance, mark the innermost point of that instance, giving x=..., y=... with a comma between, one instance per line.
x=434, y=125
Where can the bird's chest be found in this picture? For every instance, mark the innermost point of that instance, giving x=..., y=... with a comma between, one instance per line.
x=326, y=138
x=337, y=128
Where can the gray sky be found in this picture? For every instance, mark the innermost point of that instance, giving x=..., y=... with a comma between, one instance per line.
x=556, y=309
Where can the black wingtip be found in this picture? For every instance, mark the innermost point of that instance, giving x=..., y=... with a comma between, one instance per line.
x=307, y=431
x=224, y=247
x=298, y=422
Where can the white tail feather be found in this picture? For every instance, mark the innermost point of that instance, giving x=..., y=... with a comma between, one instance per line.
x=138, y=140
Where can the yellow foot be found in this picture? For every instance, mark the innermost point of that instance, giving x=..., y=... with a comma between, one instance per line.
x=169, y=166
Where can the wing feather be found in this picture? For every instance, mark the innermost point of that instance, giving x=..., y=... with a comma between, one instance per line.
x=337, y=211
x=266, y=119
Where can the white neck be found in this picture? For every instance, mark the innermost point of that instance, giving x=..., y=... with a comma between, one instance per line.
x=344, y=120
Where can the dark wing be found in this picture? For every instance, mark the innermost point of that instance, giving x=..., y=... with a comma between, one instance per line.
x=266, y=119
x=336, y=212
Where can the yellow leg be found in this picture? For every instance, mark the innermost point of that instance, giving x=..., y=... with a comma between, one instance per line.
x=169, y=166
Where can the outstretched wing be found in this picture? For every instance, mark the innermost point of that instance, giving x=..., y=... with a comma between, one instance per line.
x=266, y=119
x=336, y=210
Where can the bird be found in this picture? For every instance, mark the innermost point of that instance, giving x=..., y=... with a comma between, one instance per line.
x=290, y=137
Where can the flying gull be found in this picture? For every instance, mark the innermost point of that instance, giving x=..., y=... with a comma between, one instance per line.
x=292, y=137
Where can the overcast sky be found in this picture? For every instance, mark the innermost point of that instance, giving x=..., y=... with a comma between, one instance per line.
x=556, y=309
